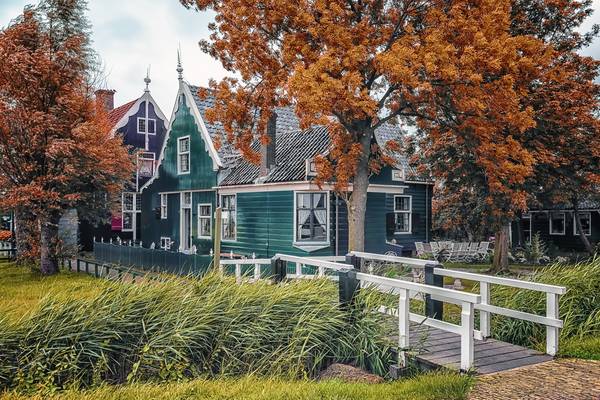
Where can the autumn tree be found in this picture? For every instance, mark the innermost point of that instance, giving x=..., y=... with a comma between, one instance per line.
x=56, y=149
x=453, y=67
x=566, y=138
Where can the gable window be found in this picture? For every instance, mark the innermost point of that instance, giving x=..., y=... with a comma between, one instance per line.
x=399, y=175
x=165, y=243
x=183, y=155
x=311, y=217
x=228, y=216
x=146, y=125
x=585, y=218
x=403, y=214
x=204, y=221
x=146, y=164
x=163, y=205
x=557, y=223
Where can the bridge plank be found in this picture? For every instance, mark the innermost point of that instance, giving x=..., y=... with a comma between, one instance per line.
x=442, y=349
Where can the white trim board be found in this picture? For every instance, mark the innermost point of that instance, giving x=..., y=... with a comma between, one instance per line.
x=303, y=186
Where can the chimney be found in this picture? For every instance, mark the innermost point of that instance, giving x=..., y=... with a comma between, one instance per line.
x=106, y=98
x=268, y=151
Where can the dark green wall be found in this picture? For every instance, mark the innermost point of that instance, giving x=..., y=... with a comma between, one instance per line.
x=569, y=241
x=201, y=177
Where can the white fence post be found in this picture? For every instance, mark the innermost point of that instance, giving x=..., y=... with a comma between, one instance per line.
x=467, y=345
x=238, y=273
x=256, y=272
x=298, y=270
x=552, y=333
x=484, y=316
x=321, y=271
x=403, y=326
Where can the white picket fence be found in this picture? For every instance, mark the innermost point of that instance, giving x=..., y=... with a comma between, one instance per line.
x=406, y=290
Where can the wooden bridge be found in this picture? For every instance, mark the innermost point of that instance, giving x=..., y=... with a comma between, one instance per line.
x=437, y=343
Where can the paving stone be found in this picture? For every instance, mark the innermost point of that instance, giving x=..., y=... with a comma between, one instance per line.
x=565, y=379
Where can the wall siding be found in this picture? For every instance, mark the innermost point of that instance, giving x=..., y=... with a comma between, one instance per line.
x=569, y=241
x=201, y=177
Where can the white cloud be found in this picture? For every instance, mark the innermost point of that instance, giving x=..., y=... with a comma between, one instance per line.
x=130, y=35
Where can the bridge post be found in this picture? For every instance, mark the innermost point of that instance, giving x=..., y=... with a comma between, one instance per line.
x=348, y=284
x=433, y=308
x=278, y=269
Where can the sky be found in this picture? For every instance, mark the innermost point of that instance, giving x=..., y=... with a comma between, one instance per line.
x=134, y=35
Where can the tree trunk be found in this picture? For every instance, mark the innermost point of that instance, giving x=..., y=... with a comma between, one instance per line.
x=357, y=204
x=500, y=263
x=584, y=239
x=25, y=236
x=48, y=243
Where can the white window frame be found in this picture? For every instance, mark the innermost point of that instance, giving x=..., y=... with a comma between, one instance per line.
x=564, y=231
x=180, y=153
x=587, y=214
x=201, y=217
x=236, y=215
x=399, y=175
x=167, y=242
x=145, y=131
x=311, y=168
x=164, y=205
x=146, y=156
x=133, y=211
x=297, y=242
x=184, y=206
x=409, y=212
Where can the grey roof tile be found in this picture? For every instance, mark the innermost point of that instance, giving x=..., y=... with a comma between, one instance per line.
x=294, y=147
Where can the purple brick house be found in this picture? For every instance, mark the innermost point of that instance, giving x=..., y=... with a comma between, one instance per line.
x=143, y=126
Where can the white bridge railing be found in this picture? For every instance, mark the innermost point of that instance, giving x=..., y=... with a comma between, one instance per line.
x=345, y=270
x=551, y=320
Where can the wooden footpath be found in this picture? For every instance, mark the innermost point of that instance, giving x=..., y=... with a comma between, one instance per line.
x=440, y=349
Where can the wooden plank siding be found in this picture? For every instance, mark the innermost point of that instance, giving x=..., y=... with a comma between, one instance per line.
x=201, y=177
x=569, y=241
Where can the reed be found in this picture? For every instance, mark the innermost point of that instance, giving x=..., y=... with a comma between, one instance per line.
x=186, y=328
x=579, y=307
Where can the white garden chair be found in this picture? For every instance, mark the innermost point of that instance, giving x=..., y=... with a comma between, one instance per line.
x=483, y=251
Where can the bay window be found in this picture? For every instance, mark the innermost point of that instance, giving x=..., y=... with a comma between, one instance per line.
x=311, y=217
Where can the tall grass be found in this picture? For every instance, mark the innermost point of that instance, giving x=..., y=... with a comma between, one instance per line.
x=579, y=307
x=176, y=329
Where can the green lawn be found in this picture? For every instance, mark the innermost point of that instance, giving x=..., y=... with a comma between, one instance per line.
x=430, y=387
x=21, y=289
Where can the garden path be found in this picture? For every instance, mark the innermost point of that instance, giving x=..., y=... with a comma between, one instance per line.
x=563, y=379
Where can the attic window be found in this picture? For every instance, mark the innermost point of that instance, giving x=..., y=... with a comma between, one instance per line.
x=146, y=125
x=399, y=175
x=183, y=155
x=311, y=168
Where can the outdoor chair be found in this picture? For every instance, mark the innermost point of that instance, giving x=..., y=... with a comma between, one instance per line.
x=483, y=251
x=420, y=249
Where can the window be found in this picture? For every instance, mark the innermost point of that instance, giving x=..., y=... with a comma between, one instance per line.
x=586, y=223
x=403, y=214
x=146, y=125
x=165, y=243
x=311, y=217
x=130, y=205
x=398, y=175
x=141, y=125
x=183, y=155
x=311, y=168
x=163, y=205
x=146, y=165
x=557, y=223
x=204, y=221
x=228, y=217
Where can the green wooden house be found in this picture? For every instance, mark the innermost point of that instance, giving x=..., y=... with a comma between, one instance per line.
x=274, y=207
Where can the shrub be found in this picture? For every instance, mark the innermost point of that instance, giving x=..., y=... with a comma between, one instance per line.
x=185, y=329
x=579, y=307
